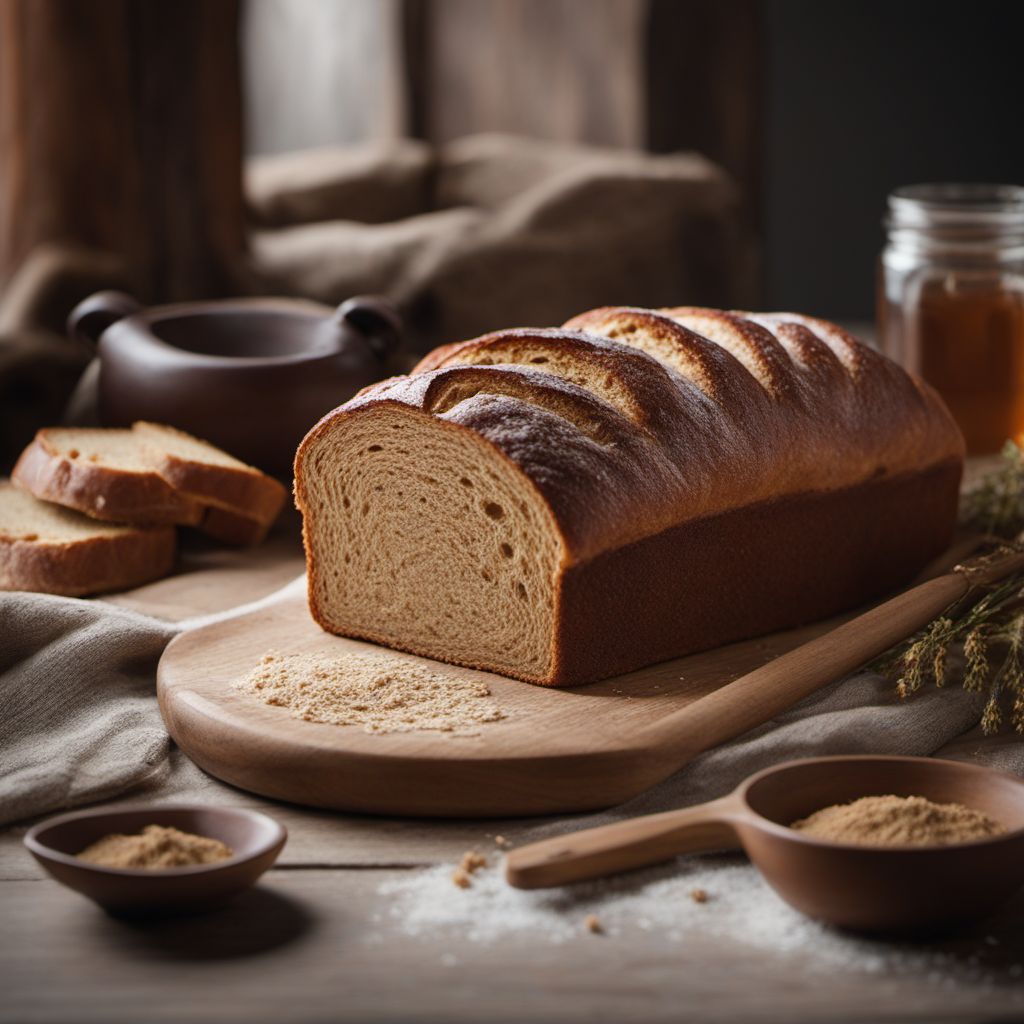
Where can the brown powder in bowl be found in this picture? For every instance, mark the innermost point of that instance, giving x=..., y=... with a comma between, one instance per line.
x=899, y=821
x=155, y=847
x=379, y=692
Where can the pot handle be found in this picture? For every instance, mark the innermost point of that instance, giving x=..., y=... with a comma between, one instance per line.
x=626, y=845
x=376, y=319
x=92, y=316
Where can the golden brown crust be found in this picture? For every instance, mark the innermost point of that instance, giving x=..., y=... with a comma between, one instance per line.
x=749, y=572
x=100, y=492
x=628, y=379
x=774, y=406
x=249, y=494
x=437, y=356
x=240, y=503
x=697, y=417
x=709, y=367
x=92, y=566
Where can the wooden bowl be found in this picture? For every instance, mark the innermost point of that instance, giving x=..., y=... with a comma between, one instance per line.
x=216, y=368
x=867, y=888
x=255, y=839
x=893, y=888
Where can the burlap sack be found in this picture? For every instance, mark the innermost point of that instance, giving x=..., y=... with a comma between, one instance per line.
x=519, y=232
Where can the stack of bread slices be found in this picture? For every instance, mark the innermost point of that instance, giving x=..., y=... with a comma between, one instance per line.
x=94, y=510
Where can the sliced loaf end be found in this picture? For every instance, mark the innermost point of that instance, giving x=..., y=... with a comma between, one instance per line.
x=421, y=535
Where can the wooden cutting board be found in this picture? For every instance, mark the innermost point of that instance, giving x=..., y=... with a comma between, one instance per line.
x=556, y=751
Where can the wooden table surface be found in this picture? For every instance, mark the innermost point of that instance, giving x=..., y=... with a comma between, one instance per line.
x=316, y=940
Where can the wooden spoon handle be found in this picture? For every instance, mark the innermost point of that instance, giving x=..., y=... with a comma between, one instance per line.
x=596, y=852
x=760, y=695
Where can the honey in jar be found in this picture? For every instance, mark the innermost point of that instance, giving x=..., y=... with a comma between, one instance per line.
x=951, y=302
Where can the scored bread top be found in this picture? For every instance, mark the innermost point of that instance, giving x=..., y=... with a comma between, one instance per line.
x=630, y=421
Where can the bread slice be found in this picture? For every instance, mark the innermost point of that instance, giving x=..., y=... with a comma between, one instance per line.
x=106, y=474
x=240, y=502
x=151, y=474
x=54, y=550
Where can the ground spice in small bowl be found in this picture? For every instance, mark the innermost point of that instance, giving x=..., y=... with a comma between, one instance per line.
x=899, y=821
x=156, y=847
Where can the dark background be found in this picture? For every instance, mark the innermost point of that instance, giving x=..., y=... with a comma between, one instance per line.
x=864, y=97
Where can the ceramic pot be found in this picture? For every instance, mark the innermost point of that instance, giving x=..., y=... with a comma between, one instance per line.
x=249, y=375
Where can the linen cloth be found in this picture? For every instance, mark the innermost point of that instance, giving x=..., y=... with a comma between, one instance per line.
x=79, y=720
x=491, y=231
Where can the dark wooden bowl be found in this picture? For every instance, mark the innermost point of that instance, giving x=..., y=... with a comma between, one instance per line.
x=255, y=839
x=868, y=888
x=249, y=375
x=904, y=888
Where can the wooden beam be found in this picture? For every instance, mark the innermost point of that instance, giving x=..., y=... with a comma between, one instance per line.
x=704, y=70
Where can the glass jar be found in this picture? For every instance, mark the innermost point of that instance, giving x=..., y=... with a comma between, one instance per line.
x=951, y=301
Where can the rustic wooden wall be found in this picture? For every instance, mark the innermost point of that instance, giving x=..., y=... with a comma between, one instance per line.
x=546, y=68
x=704, y=74
x=123, y=119
x=321, y=72
x=121, y=123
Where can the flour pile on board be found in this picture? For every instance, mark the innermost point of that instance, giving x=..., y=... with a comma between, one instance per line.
x=379, y=692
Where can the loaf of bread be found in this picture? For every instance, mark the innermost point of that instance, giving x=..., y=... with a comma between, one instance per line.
x=47, y=548
x=561, y=505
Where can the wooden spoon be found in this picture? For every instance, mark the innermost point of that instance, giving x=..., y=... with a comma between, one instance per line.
x=904, y=888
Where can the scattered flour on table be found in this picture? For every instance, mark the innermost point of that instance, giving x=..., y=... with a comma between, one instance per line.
x=379, y=692
x=734, y=904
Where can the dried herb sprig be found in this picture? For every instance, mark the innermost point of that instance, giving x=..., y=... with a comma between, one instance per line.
x=995, y=505
x=991, y=632
x=989, y=629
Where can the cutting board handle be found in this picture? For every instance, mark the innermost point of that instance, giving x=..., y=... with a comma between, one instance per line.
x=626, y=845
x=767, y=691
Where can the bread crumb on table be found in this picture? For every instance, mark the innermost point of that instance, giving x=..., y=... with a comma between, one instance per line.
x=593, y=924
x=380, y=692
x=472, y=861
x=699, y=895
